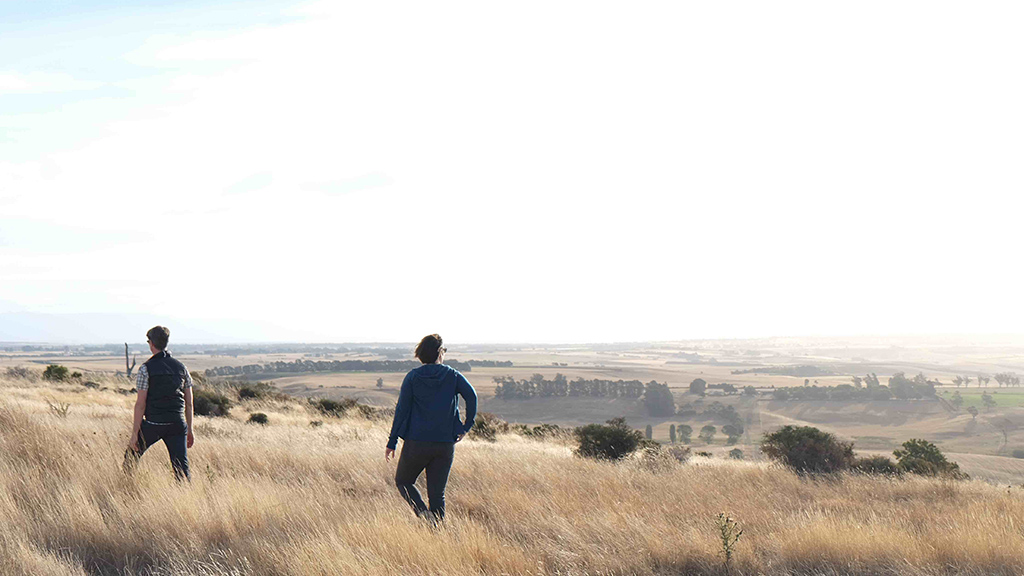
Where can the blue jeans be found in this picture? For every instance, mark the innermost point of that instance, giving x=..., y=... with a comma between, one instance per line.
x=174, y=435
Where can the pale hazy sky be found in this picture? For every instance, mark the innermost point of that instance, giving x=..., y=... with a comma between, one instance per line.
x=524, y=171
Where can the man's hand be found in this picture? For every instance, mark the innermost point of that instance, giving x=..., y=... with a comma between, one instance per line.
x=133, y=444
x=389, y=453
x=190, y=440
x=460, y=437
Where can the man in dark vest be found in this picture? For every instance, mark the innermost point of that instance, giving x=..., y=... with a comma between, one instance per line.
x=163, y=408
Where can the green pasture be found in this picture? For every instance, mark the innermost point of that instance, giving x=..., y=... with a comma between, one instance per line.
x=1005, y=397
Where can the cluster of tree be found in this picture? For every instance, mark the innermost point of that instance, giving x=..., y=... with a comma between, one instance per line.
x=714, y=410
x=864, y=389
x=490, y=363
x=610, y=441
x=281, y=367
x=808, y=450
x=1003, y=379
x=1007, y=379
x=699, y=386
x=658, y=399
x=869, y=381
x=508, y=388
x=799, y=371
x=986, y=399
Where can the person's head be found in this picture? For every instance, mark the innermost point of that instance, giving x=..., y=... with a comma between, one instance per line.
x=158, y=337
x=430, y=350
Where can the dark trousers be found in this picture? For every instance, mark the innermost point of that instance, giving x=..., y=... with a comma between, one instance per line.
x=436, y=458
x=174, y=436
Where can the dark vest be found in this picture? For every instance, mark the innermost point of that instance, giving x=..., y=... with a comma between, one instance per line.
x=165, y=401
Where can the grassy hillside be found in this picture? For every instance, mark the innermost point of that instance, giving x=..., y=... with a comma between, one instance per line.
x=291, y=499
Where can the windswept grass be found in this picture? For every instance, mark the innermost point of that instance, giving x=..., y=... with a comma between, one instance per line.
x=291, y=499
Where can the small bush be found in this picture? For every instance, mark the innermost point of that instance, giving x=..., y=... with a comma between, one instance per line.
x=333, y=408
x=258, y=418
x=21, y=373
x=611, y=441
x=702, y=454
x=487, y=426
x=369, y=412
x=256, y=391
x=198, y=378
x=1018, y=453
x=55, y=373
x=881, y=465
x=680, y=453
x=808, y=450
x=653, y=458
x=736, y=454
x=316, y=423
x=924, y=458
x=76, y=375
x=91, y=384
x=207, y=402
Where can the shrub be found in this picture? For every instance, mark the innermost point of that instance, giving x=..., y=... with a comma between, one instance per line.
x=207, y=402
x=258, y=418
x=487, y=426
x=22, y=373
x=611, y=441
x=654, y=458
x=808, y=450
x=924, y=458
x=76, y=375
x=683, y=433
x=316, y=423
x=256, y=391
x=91, y=384
x=198, y=378
x=702, y=454
x=55, y=373
x=1018, y=453
x=680, y=453
x=334, y=408
x=369, y=412
x=540, y=432
x=736, y=454
x=881, y=465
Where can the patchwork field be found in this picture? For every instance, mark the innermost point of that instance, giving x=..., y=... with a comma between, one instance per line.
x=994, y=433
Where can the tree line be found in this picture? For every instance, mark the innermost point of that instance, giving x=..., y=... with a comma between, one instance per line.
x=301, y=365
x=537, y=386
x=867, y=388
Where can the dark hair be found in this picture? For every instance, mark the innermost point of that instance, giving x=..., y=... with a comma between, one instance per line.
x=159, y=335
x=429, y=348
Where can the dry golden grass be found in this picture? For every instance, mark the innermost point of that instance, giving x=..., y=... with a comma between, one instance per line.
x=290, y=499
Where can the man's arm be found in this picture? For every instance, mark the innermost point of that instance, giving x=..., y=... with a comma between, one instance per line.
x=188, y=409
x=140, y=411
x=402, y=410
x=468, y=393
x=142, y=388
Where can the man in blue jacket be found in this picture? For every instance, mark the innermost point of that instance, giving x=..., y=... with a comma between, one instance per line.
x=427, y=419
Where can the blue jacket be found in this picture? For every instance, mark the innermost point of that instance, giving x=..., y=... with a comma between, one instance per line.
x=428, y=405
